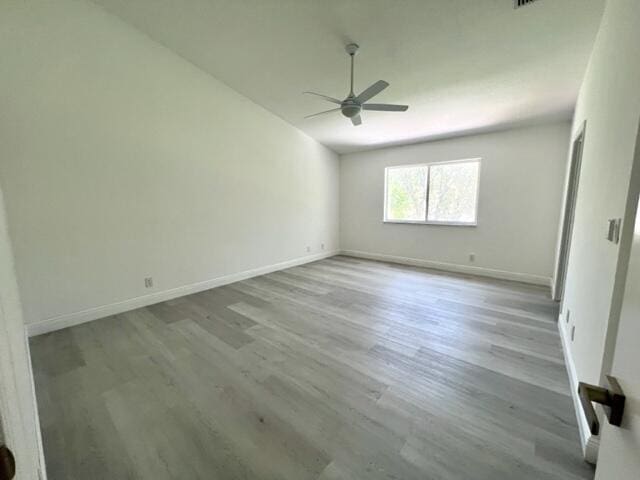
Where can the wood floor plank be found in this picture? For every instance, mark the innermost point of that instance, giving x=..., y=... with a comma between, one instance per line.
x=339, y=369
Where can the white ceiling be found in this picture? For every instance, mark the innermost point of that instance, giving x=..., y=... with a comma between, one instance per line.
x=462, y=65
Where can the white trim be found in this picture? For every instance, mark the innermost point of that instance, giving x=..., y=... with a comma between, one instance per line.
x=70, y=319
x=443, y=224
x=590, y=443
x=452, y=267
x=42, y=467
x=565, y=227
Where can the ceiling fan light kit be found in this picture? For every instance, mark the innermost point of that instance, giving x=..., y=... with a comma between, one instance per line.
x=351, y=106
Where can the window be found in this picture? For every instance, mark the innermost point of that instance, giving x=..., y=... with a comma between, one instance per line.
x=438, y=193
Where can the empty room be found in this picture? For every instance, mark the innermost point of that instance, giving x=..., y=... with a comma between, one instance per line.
x=319, y=239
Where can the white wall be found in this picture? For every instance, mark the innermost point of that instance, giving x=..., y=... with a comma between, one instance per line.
x=521, y=181
x=609, y=101
x=120, y=160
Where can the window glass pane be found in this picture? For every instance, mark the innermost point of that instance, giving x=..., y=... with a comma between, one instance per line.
x=406, y=193
x=453, y=192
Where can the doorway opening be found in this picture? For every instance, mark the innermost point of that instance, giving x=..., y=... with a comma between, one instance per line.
x=569, y=213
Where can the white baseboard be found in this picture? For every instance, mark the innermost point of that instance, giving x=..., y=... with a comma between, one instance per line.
x=70, y=319
x=590, y=443
x=452, y=267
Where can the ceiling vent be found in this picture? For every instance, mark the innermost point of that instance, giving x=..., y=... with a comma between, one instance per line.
x=522, y=3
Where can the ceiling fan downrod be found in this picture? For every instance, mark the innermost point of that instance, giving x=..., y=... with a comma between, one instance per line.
x=352, y=49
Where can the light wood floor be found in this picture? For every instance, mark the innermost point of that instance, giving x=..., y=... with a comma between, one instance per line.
x=340, y=369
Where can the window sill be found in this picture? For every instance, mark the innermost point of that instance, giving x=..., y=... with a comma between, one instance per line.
x=441, y=224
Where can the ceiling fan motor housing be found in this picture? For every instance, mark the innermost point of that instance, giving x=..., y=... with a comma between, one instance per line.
x=350, y=109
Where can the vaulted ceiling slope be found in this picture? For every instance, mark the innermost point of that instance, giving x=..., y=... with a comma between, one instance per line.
x=462, y=65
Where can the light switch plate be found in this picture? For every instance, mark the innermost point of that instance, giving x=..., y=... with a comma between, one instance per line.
x=613, y=232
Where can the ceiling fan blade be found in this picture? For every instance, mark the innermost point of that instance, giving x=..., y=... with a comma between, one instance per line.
x=330, y=99
x=372, y=91
x=322, y=113
x=385, y=107
x=356, y=120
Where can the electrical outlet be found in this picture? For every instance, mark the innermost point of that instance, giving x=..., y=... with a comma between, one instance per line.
x=148, y=282
x=472, y=257
x=322, y=246
x=308, y=248
x=568, y=315
x=573, y=332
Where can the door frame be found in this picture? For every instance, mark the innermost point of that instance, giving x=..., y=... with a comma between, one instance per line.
x=568, y=216
x=630, y=224
x=624, y=254
x=18, y=413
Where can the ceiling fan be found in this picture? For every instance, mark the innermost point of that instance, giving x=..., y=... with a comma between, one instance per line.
x=353, y=105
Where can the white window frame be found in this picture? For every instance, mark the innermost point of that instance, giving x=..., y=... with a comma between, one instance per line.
x=474, y=223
